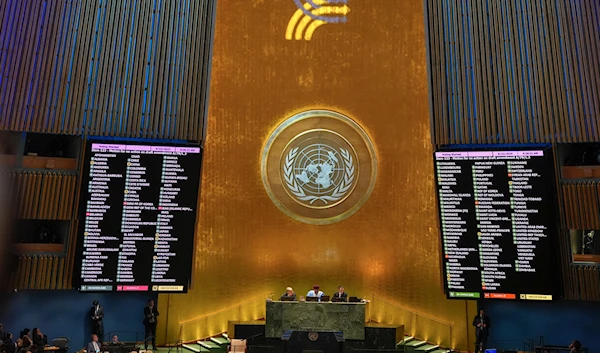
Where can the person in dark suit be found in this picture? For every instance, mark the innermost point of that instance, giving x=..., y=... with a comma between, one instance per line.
x=94, y=346
x=97, y=314
x=9, y=345
x=2, y=333
x=482, y=331
x=150, y=314
x=39, y=340
x=340, y=295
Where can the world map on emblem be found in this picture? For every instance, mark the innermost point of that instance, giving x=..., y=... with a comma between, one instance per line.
x=319, y=167
x=319, y=173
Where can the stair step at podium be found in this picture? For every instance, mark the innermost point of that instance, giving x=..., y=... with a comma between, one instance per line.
x=411, y=347
x=211, y=346
x=405, y=341
x=221, y=341
x=415, y=343
x=426, y=348
x=440, y=350
x=194, y=349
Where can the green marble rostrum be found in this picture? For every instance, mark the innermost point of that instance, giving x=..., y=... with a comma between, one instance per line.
x=314, y=316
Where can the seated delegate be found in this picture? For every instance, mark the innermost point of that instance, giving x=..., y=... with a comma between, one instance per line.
x=340, y=295
x=315, y=292
x=289, y=294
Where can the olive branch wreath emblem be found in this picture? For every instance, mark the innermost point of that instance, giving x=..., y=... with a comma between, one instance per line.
x=338, y=193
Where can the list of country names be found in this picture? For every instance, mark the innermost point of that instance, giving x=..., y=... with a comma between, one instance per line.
x=135, y=195
x=493, y=218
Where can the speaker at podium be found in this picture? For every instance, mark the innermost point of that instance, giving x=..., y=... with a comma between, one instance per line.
x=312, y=342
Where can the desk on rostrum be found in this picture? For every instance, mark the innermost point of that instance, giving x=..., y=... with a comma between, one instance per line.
x=348, y=318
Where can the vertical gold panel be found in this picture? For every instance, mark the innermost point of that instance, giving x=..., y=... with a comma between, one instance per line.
x=372, y=69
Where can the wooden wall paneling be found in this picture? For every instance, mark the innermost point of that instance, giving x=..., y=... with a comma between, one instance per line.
x=55, y=273
x=575, y=285
x=167, y=92
x=502, y=66
x=22, y=199
x=31, y=275
x=21, y=15
x=50, y=47
x=29, y=23
x=62, y=275
x=582, y=203
x=592, y=212
x=122, y=16
x=9, y=17
x=535, y=75
x=467, y=70
x=108, y=62
x=577, y=221
x=138, y=86
x=41, y=272
x=565, y=261
x=81, y=31
x=69, y=104
x=580, y=283
x=35, y=109
x=541, y=79
x=433, y=42
x=63, y=189
x=595, y=282
x=69, y=202
x=46, y=271
x=57, y=196
x=181, y=97
x=26, y=272
x=31, y=183
x=47, y=195
x=585, y=25
x=531, y=84
x=201, y=15
x=574, y=104
x=441, y=64
x=163, y=41
x=518, y=29
x=47, y=188
x=70, y=258
x=553, y=74
x=588, y=270
x=588, y=24
x=51, y=271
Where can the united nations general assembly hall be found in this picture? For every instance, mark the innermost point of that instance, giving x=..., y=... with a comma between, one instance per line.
x=299, y=176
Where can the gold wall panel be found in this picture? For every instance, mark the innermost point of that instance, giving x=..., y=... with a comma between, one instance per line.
x=372, y=69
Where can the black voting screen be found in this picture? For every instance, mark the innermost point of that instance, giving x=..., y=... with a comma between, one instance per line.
x=498, y=223
x=137, y=217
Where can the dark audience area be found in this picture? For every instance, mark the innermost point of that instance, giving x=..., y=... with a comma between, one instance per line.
x=29, y=341
x=66, y=314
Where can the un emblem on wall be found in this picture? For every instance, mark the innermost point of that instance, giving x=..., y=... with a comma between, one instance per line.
x=319, y=167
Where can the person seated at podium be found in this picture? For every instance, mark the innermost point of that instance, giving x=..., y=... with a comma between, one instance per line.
x=289, y=295
x=340, y=295
x=114, y=340
x=315, y=292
